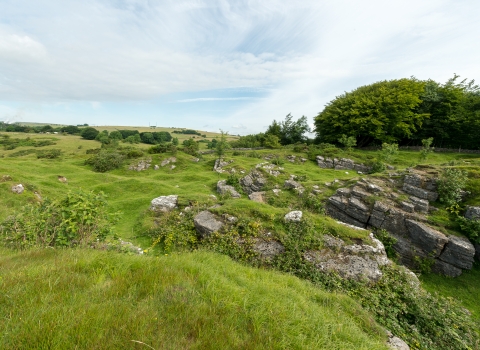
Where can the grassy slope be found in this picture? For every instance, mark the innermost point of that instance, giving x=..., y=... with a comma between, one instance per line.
x=98, y=300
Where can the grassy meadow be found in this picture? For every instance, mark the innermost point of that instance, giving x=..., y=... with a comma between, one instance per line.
x=93, y=299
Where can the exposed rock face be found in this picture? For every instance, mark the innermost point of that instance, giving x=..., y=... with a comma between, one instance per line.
x=223, y=188
x=295, y=216
x=219, y=164
x=369, y=204
x=341, y=164
x=421, y=187
x=257, y=197
x=141, y=165
x=253, y=182
x=206, y=223
x=268, y=249
x=356, y=261
x=164, y=203
x=18, y=189
x=473, y=213
x=292, y=184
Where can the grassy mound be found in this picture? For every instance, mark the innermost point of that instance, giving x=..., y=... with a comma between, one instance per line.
x=90, y=299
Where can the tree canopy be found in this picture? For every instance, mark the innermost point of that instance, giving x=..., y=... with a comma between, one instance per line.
x=289, y=131
x=405, y=111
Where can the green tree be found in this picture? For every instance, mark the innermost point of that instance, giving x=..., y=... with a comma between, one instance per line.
x=175, y=141
x=89, y=133
x=381, y=112
x=222, y=145
x=289, y=131
x=271, y=141
x=348, y=142
x=426, y=149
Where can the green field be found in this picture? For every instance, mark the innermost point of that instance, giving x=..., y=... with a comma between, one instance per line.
x=186, y=300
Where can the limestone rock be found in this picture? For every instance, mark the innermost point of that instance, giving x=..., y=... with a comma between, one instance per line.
x=219, y=164
x=395, y=343
x=295, y=216
x=230, y=218
x=18, y=189
x=257, y=197
x=458, y=252
x=268, y=249
x=253, y=182
x=446, y=269
x=292, y=184
x=62, y=179
x=164, y=203
x=420, y=205
x=141, y=165
x=428, y=239
x=472, y=213
x=156, y=167
x=6, y=178
x=223, y=188
x=206, y=223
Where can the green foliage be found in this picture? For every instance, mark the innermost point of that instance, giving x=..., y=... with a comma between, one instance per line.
x=132, y=139
x=348, y=142
x=388, y=242
x=272, y=141
x=78, y=219
x=289, y=131
x=163, y=148
x=49, y=154
x=450, y=185
x=106, y=160
x=89, y=133
x=173, y=231
x=222, y=145
x=386, y=155
x=470, y=228
x=380, y=112
x=426, y=149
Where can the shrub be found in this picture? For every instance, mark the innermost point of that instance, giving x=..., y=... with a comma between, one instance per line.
x=471, y=228
x=348, y=142
x=89, y=133
x=49, y=154
x=163, y=148
x=426, y=149
x=388, y=242
x=450, y=186
x=105, y=161
x=78, y=219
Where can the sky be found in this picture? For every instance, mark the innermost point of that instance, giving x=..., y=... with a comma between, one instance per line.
x=234, y=65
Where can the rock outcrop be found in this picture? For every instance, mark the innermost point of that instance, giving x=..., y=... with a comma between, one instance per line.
x=223, y=188
x=342, y=164
x=355, y=261
x=472, y=213
x=257, y=197
x=375, y=204
x=141, y=165
x=164, y=203
x=206, y=223
x=219, y=164
x=18, y=189
x=253, y=182
x=267, y=249
x=294, y=216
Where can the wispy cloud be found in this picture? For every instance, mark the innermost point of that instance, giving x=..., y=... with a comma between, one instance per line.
x=209, y=99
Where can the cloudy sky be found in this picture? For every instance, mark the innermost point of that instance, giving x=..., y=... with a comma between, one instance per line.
x=219, y=64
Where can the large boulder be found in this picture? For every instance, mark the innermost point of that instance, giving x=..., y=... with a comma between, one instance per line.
x=164, y=203
x=356, y=261
x=206, y=223
x=253, y=182
x=294, y=216
x=472, y=213
x=223, y=188
x=18, y=189
x=426, y=238
x=458, y=252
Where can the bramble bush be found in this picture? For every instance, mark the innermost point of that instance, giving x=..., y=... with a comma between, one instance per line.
x=80, y=218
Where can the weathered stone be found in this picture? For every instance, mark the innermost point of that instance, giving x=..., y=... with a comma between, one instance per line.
x=458, y=252
x=141, y=165
x=344, y=164
x=446, y=269
x=165, y=162
x=18, y=189
x=276, y=191
x=62, y=179
x=425, y=237
x=206, y=223
x=219, y=164
x=257, y=197
x=6, y=178
x=407, y=252
x=253, y=182
x=196, y=160
x=164, y=203
x=156, y=167
x=317, y=192
x=374, y=188
x=415, y=180
x=358, y=210
x=341, y=216
x=339, y=202
x=420, y=192
x=268, y=249
x=295, y=215
x=223, y=188
x=408, y=207
x=472, y=213
x=421, y=205
x=343, y=192
x=230, y=218
x=292, y=184
x=389, y=218
x=395, y=343
x=357, y=191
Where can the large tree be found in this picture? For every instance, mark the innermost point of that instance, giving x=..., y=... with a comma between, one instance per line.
x=289, y=131
x=385, y=111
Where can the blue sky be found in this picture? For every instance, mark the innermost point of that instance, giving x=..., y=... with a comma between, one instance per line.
x=210, y=65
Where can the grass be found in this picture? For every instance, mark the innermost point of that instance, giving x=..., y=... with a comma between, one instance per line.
x=90, y=299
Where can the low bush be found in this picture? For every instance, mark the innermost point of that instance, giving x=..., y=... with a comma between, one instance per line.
x=105, y=161
x=49, y=154
x=78, y=219
x=450, y=185
x=163, y=148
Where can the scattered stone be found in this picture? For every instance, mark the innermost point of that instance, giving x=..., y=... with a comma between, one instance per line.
x=196, y=160
x=223, y=188
x=472, y=213
x=172, y=167
x=276, y=191
x=38, y=196
x=141, y=165
x=230, y=218
x=291, y=158
x=168, y=161
x=212, y=196
x=156, y=167
x=6, y=178
x=295, y=216
x=268, y=249
x=18, y=189
x=164, y=203
x=292, y=184
x=257, y=197
x=253, y=182
x=206, y=223
x=395, y=343
x=316, y=192
x=62, y=179
x=219, y=164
